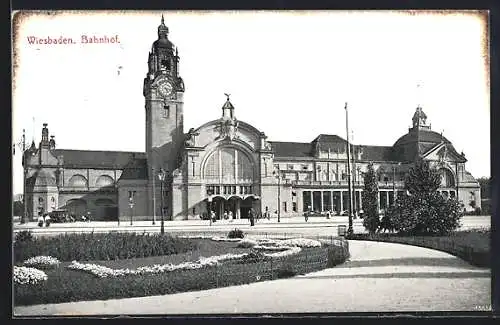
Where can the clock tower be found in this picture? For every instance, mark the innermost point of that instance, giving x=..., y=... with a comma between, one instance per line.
x=163, y=92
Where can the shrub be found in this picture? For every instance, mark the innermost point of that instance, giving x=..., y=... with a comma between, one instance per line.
x=28, y=275
x=425, y=214
x=42, y=262
x=102, y=246
x=24, y=236
x=236, y=233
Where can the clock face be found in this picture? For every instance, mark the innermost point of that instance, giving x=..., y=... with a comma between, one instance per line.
x=165, y=88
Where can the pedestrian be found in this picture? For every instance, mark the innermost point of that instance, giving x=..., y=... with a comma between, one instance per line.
x=268, y=215
x=225, y=215
x=251, y=217
x=230, y=216
x=328, y=214
x=47, y=220
x=306, y=214
x=212, y=215
x=40, y=220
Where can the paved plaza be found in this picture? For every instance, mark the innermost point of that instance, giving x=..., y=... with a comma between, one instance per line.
x=379, y=277
x=314, y=226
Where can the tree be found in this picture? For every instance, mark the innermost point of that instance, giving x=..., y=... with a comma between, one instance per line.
x=424, y=210
x=485, y=184
x=18, y=208
x=422, y=179
x=370, y=200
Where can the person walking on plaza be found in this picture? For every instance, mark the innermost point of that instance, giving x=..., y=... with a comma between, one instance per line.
x=230, y=216
x=40, y=220
x=328, y=214
x=268, y=215
x=251, y=217
x=47, y=220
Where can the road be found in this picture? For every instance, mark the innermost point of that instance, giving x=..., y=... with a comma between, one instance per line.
x=379, y=277
x=315, y=226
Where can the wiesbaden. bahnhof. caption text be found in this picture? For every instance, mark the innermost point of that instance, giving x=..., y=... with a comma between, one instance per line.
x=84, y=39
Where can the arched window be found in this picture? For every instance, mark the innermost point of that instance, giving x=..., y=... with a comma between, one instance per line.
x=228, y=165
x=77, y=181
x=104, y=180
x=447, y=178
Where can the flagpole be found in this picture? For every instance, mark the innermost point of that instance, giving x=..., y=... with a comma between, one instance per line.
x=354, y=178
x=23, y=217
x=349, y=209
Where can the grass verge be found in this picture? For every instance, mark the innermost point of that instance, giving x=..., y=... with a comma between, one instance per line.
x=472, y=246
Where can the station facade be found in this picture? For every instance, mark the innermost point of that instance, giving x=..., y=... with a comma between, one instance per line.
x=227, y=164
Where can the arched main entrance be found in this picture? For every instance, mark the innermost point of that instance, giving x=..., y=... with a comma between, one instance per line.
x=236, y=207
x=229, y=174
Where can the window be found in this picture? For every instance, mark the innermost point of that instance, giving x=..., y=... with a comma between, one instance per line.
x=284, y=207
x=294, y=206
x=305, y=167
x=165, y=64
x=166, y=111
x=294, y=193
x=386, y=179
x=289, y=166
x=40, y=200
x=52, y=199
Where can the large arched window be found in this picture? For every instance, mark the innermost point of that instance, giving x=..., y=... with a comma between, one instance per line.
x=104, y=180
x=228, y=165
x=447, y=178
x=77, y=181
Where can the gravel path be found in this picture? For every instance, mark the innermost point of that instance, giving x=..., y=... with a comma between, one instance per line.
x=380, y=277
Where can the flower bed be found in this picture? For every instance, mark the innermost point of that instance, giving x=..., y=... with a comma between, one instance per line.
x=28, y=275
x=65, y=285
x=41, y=262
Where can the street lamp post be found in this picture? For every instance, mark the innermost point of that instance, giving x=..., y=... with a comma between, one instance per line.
x=161, y=177
x=154, y=197
x=394, y=183
x=349, y=193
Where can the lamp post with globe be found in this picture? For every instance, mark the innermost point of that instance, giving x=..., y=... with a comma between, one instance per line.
x=161, y=176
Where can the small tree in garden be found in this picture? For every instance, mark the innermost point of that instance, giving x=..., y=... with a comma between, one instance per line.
x=424, y=210
x=370, y=200
x=422, y=179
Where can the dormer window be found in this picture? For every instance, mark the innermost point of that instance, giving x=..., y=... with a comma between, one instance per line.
x=166, y=111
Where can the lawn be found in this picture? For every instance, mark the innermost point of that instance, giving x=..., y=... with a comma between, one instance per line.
x=472, y=245
x=66, y=285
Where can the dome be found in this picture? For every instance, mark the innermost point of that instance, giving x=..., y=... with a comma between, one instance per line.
x=420, y=136
x=163, y=43
x=45, y=178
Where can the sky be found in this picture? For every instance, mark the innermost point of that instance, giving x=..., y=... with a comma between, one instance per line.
x=289, y=75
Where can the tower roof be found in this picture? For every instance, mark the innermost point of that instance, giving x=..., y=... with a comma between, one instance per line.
x=163, y=41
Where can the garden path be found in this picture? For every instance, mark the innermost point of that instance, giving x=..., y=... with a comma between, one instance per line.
x=379, y=277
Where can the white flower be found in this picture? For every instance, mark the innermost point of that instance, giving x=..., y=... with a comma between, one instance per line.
x=103, y=271
x=300, y=242
x=28, y=275
x=247, y=243
x=41, y=261
x=217, y=238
